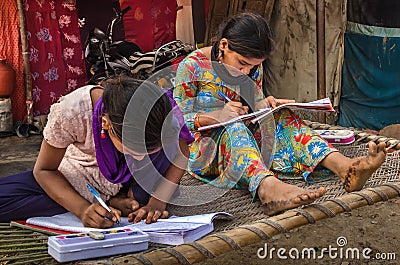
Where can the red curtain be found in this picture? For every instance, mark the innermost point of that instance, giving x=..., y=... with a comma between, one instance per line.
x=150, y=24
x=206, y=7
x=55, y=51
x=10, y=48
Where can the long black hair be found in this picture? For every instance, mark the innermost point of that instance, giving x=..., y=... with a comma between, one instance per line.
x=248, y=34
x=139, y=111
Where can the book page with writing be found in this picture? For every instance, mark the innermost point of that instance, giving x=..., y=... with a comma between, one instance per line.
x=239, y=118
x=317, y=105
x=69, y=222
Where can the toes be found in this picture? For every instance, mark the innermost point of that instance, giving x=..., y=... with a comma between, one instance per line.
x=372, y=148
x=382, y=148
x=312, y=194
x=305, y=197
x=301, y=197
x=322, y=191
x=376, y=148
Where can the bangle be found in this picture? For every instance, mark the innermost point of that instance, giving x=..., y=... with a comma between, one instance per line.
x=197, y=122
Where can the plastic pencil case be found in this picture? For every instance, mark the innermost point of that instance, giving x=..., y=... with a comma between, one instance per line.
x=81, y=246
x=337, y=136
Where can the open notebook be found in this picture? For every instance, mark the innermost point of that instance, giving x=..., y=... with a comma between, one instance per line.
x=180, y=230
x=172, y=231
x=317, y=105
x=69, y=222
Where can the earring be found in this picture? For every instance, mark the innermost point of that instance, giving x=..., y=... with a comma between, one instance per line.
x=102, y=134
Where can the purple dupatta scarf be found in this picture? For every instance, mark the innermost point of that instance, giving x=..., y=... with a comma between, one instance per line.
x=111, y=162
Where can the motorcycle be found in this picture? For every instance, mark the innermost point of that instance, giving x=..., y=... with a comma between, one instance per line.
x=154, y=65
x=108, y=58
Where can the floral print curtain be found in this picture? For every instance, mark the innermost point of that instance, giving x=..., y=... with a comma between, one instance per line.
x=56, y=57
x=10, y=48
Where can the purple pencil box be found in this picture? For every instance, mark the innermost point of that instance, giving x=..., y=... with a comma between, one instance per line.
x=82, y=246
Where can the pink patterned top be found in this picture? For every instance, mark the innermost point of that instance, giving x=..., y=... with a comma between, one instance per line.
x=70, y=126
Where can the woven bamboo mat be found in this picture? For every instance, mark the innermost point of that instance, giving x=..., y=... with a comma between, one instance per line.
x=18, y=246
x=238, y=202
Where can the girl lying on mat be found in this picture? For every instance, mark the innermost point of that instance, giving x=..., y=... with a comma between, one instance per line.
x=88, y=139
x=218, y=83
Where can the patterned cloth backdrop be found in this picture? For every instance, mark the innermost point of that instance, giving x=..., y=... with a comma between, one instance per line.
x=151, y=23
x=56, y=57
x=10, y=48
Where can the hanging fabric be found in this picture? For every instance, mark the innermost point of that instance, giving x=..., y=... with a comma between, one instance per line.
x=150, y=24
x=56, y=58
x=11, y=50
x=371, y=69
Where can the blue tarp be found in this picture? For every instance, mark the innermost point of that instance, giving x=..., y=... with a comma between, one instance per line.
x=371, y=79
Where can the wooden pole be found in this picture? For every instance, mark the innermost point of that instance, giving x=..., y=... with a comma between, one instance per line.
x=25, y=56
x=268, y=10
x=321, y=59
x=243, y=237
x=207, y=35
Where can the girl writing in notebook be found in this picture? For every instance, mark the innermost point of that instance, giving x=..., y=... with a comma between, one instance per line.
x=244, y=156
x=122, y=139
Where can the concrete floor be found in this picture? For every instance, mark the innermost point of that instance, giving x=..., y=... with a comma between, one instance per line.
x=18, y=154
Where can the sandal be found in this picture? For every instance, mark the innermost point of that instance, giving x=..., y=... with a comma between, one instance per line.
x=22, y=130
x=32, y=129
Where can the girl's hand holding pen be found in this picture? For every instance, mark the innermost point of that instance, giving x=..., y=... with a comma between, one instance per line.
x=97, y=216
x=232, y=109
x=112, y=214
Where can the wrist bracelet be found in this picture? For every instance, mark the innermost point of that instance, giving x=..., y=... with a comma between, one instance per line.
x=197, y=121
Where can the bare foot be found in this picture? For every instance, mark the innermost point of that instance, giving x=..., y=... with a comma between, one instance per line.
x=359, y=170
x=277, y=196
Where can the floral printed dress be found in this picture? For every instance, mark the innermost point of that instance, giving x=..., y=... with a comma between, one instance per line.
x=240, y=155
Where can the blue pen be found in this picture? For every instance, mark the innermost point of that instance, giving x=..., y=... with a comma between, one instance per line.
x=223, y=96
x=100, y=200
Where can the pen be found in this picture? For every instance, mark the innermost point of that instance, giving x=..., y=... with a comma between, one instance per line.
x=223, y=96
x=100, y=200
